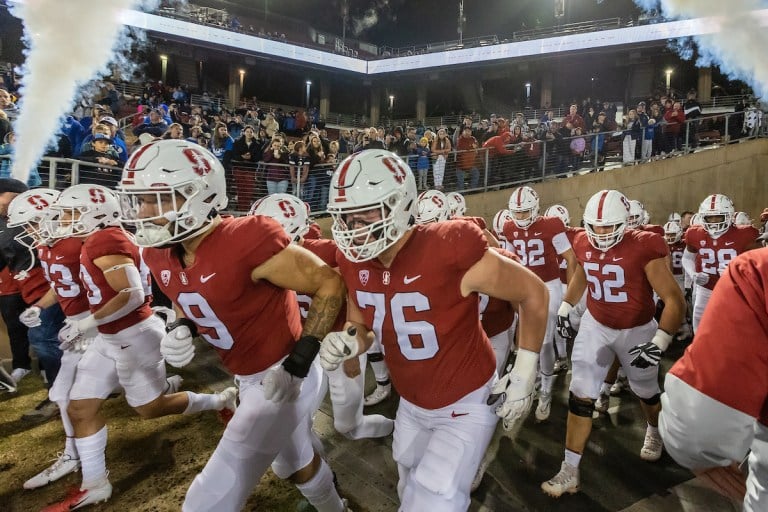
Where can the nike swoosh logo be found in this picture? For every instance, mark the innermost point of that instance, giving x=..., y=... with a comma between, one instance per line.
x=457, y=414
x=729, y=243
x=205, y=279
x=409, y=280
x=617, y=259
x=59, y=258
x=537, y=234
x=123, y=347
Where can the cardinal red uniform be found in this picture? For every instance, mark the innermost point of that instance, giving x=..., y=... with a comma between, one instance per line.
x=652, y=228
x=32, y=285
x=676, y=259
x=314, y=233
x=620, y=310
x=498, y=318
x=127, y=352
x=723, y=375
x=478, y=221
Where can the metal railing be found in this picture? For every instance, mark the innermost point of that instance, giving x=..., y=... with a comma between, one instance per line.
x=535, y=158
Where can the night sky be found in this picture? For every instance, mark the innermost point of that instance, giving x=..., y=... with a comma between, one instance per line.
x=404, y=22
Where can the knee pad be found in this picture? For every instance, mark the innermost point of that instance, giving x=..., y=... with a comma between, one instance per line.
x=438, y=471
x=580, y=407
x=375, y=357
x=654, y=400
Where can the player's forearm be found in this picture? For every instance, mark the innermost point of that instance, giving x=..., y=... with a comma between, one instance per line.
x=47, y=300
x=326, y=304
x=673, y=314
x=533, y=313
x=577, y=283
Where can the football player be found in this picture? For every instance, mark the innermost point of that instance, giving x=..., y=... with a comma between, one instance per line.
x=127, y=349
x=710, y=247
x=539, y=241
x=232, y=280
x=621, y=269
x=639, y=218
x=742, y=219
x=722, y=379
x=673, y=234
x=346, y=384
x=432, y=206
x=425, y=311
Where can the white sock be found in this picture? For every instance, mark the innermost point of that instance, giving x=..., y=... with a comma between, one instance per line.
x=320, y=491
x=69, y=431
x=653, y=430
x=372, y=426
x=203, y=402
x=92, y=457
x=572, y=458
x=546, y=383
x=605, y=389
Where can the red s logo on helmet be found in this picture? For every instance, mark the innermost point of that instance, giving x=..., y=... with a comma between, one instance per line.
x=38, y=202
x=395, y=167
x=97, y=195
x=200, y=164
x=288, y=209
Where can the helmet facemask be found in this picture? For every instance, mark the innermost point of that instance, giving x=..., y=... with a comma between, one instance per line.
x=717, y=223
x=604, y=241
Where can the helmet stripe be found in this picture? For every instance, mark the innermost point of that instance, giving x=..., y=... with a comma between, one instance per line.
x=600, y=205
x=712, y=205
x=342, y=186
x=520, y=196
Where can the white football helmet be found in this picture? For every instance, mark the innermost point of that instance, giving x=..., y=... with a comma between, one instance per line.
x=30, y=210
x=501, y=218
x=524, y=199
x=742, y=219
x=457, y=205
x=180, y=184
x=646, y=217
x=672, y=232
x=716, y=212
x=377, y=183
x=432, y=207
x=695, y=220
x=607, y=208
x=674, y=217
x=559, y=211
x=635, y=217
x=82, y=209
x=290, y=211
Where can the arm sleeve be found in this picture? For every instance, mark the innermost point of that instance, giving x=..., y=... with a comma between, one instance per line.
x=560, y=242
x=135, y=293
x=689, y=263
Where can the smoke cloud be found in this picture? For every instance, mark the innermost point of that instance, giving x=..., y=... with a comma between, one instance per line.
x=369, y=19
x=68, y=44
x=738, y=49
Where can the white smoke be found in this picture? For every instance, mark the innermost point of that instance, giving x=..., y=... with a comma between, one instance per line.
x=738, y=49
x=68, y=44
x=369, y=19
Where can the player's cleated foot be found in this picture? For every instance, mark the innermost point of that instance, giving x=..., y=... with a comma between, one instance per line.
x=652, y=446
x=43, y=411
x=174, y=384
x=561, y=366
x=229, y=399
x=380, y=394
x=566, y=481
x=63, y=465
x=78, y=498
x=544, y=407
x=685, y=332
x=602, y=402
x=19, y=373
x=7, y=382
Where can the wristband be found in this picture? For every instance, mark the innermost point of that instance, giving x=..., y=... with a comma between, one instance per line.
x=186, y=322
x=564, y=309
x=662, y=339
x=299, y=361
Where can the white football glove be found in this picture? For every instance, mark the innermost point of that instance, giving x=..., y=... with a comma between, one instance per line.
x=81, y=345
x=649, y=353
x=31, y=316
x=701, y=278
x=564, y=327
x=337, y=347
x=75, y=331
x=513, y=393
x=280, y=386
x=177, y=347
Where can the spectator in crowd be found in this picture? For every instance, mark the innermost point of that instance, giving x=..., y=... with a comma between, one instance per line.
x=399, y=145
x=578, y=145
x=522, y=123
x=423, y=156
x=649, y=134
x=317, y=168
x=633, y=131
x=692, y=110
x=155, y=125
x=116, y=144
x=106, y=173
x=299, y=167
x=441, y=148
x=246, y=153
x=270, y=124
x=6, y=149
x=222, y=144
x=600, y=130
x=194, y=135
x=5, y=125
x=466, y=158
x=675, y=122
x=7, y=105
x=175, y=131
x=276, y=170
x=655, y=129
x=111, y=97
x=590, y=116
x=235, y=126
x=573, y=117
x=11, y=306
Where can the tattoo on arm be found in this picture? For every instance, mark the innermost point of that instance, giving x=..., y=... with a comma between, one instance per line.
x=321, y=316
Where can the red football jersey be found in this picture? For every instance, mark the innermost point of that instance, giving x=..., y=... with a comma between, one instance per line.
x=620, y=296
x=652, y=228
x=570, y=233
x=676, y=256
x=536, y=245
x=478, y=221
x=497, y=315
x=110, y=241
x=61, y=263
x=251, y=325
x=726, y=360
x=434, y=344
x=714, y=255
x=314, y=233
x=8, y=285
x=326, y=251
x=34, y=285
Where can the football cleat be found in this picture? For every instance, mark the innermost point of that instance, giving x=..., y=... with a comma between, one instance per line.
x=544, y=407
x=601, y=405
x=19, y=373
x=63, y=465
x=652, y=446
x=43, y=411
x=78, y=498
x=380, y=394
x=566, y=481
x=7, y=382
x=619, y=386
